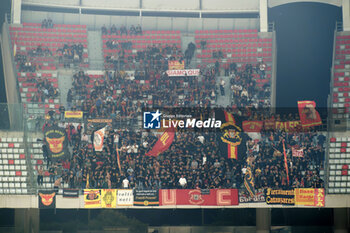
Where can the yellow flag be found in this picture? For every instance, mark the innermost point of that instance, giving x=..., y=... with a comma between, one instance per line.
x=92, y=198
x=108, y=198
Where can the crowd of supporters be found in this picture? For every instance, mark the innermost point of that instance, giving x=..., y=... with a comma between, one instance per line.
x=122, y=30
x=192, y=161
x=69, y=54
x=154, y=57
x=44, y=88
x=47, y=23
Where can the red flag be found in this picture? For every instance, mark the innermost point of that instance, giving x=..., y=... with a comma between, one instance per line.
x=285, y=161
x=252, y=126
x=163, y=143
x=308, y=115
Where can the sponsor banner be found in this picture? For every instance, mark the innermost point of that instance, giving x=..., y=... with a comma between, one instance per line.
x=310, y=197
x=297, y=152
x=146, y=198
x=252, y=126
x=176, y=65
x=216, y=197
x=73, y=114
x=100, y=120
x=280, y=197
x=244, y=196
x=178, y=73
x=92, y=198
x=287, y=126
x=56, y=140
x=108, y=198
x=309, y=117
x=71, y=193
x=125, y=197
x=47, y=199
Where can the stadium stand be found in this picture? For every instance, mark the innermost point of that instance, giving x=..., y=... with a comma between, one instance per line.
x=13, y=167
x=339, y=161
x=244, y=55
x=340, y=85
x=28, y=37
x=126, y=47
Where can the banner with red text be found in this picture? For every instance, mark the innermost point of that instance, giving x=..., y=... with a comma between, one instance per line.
x=179, y=73
x=310, y=197
x=215, y=197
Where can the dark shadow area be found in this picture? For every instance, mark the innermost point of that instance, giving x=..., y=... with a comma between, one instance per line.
x=304, y=34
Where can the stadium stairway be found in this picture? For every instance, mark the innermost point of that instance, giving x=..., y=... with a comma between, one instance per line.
x=95, y=50
x=185, y=40
x=64, y=84
x=223, y=100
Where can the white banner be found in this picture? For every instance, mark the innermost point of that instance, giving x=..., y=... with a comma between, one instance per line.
x=192, y=72
x=99, y=138
x=125, y=197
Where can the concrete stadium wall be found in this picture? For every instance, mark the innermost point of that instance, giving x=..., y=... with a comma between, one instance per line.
x=237, y=5
x=55, y=2
x=134, y=4
x=95, y=22
x=12, y=93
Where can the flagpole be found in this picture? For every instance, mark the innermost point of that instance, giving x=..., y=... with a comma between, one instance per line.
x=285, y=160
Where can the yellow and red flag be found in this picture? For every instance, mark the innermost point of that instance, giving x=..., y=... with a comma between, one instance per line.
x=231, y=138
x=308, y=115
x=163, y=143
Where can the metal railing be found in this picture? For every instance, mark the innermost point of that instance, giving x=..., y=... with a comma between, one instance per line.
x=339, y=26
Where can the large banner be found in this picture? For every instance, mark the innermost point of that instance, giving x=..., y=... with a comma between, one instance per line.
x=280, y=197
x=180, y=73
x=308, y=115
x=176, y=65
x=287, y=126
x=310, y=197
x=92, y=198
x=245, y=197
x=57, y=142
x=108, y=198
x=215, y=197
x=47, y=199
x=231, y=138
x=146, y=198
x=125, y=197
x=163, y=143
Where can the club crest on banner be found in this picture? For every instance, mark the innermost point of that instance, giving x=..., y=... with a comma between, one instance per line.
x=56, y=144
x=196, y=197
x=47, y=199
